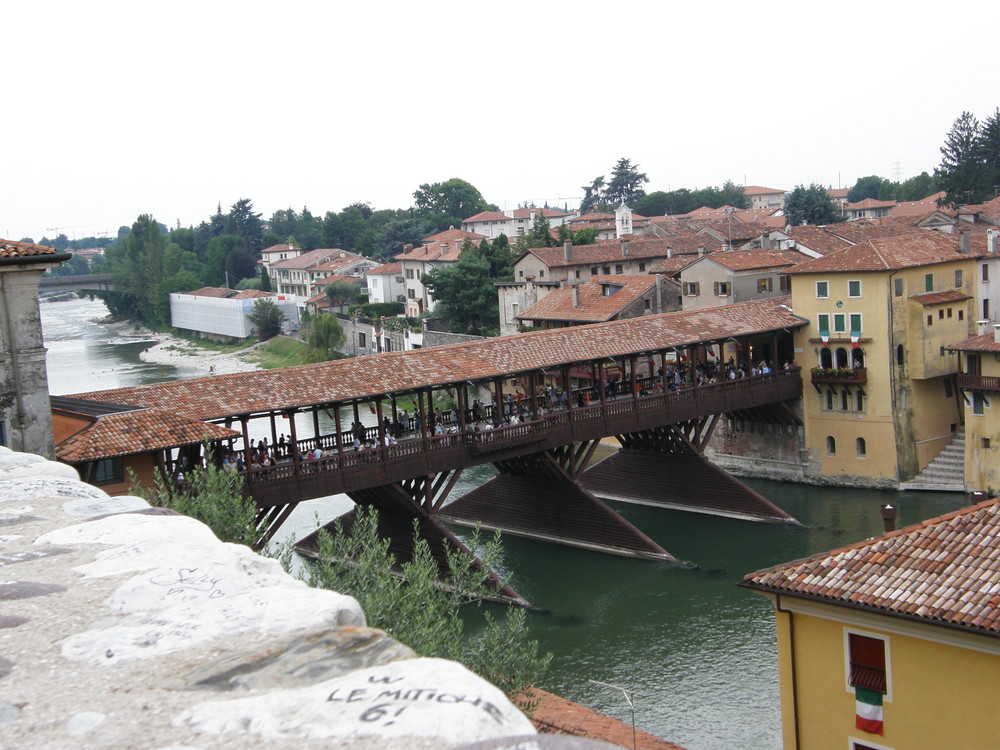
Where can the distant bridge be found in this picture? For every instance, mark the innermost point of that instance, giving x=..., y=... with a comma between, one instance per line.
x=95, y=281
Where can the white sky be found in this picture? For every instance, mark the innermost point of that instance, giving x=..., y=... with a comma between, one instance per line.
x=113, y=109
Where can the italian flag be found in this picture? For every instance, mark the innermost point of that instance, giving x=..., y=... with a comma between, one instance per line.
x=868, y=710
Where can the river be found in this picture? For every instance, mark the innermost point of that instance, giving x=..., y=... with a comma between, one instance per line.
x=697, y=652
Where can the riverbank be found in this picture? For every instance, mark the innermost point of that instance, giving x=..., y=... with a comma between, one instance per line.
x=169, y=349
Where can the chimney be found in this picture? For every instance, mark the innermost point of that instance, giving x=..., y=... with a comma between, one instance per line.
x=996, y=333
x=992, y=235
x=625, y=248
x=658, y=299
x=576, y=295
x=701, y=251
x=444, y=248
x=966, y=238
x=568, y=251
x=670, y=251
x=889, y=514
x=407, y=247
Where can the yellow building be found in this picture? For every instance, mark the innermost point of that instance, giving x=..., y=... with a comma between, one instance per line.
x=882, y=314
x=892, y=643
x=979, y=383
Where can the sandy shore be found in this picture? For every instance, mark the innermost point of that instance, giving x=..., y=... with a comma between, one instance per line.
x=171, y=350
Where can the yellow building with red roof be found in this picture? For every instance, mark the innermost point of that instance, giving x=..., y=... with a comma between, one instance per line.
x=892, y=643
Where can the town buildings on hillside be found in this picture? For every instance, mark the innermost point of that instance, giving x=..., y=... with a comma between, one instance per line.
x=513, y=223
x=437, y=251
x=295, y=275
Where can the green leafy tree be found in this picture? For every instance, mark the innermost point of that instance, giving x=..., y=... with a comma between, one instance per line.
x=585, y=236
x=137, y=267
x=541, y=232
x=326, y=337
x=962, y=172
x=448, y=203
x=871, y=186
x=339, y=294
x=227, y=260
x=465, y=292
x=212, y=495
x=625, y=186
x=500, y=255
x=811, y=205
x=243, y=222
x=389, y=240
x=593, y=195
x=409, y=602
x=917, y=187
x=265, y=279
x=989, y=148
x=266, y=318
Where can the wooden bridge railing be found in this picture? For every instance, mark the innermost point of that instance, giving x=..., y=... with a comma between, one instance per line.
x=347, y=469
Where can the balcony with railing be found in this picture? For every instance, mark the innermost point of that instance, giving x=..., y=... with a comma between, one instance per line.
x=839, y=375
x=978, y=382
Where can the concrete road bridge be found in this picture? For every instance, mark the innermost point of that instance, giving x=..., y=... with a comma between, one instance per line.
x=535, y=405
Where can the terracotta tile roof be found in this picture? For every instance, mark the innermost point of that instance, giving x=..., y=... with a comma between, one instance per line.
x=211, y=291
x=126, y=433
x=525, y=213
x=943, y=571
x=452, y=234
x=555, y=715
x=219, y=396
x=673, y=265
x=314, y=258
x=758, y=259
x=870, y=203
x=444, y=246
x=906, y=251
x=918, y=208
x=594, y=307
x=487, y=216
x=610, y=251
x=984, y=343
x=592, y=217
x=337, y=264
x=817, y=239
x=990, y=208
x=840, y=193
x=939, y=298
x=333, y=278
x=279, y=248
x=870, y=229
x=705, y=212
x=758, y=190
x=10, y=249
x=385, y=269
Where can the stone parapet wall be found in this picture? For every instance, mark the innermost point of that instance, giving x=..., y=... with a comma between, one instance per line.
x=125, y=626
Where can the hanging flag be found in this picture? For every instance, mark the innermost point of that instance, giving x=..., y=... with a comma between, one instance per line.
x=856, y=339
x=868, y=710
x=825, y=338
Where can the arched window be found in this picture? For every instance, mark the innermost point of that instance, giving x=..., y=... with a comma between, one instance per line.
x=841, y=358
x=857, y=358
x=862, y=448
x=900, y=357
x=845, y=400
x=829, y=399
x=831, y=446
x=825, y=358
x=859, y=401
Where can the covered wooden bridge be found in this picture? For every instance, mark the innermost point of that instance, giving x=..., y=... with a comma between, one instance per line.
x=535, y=405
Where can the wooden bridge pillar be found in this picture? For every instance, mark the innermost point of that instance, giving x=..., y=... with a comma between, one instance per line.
x=538, y=496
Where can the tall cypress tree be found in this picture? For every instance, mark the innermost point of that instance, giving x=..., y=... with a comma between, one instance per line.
x=962, y=173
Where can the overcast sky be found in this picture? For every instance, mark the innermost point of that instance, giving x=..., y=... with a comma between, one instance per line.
x=114, y=109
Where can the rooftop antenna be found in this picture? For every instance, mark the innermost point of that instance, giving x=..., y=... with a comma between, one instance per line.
x=628, y=699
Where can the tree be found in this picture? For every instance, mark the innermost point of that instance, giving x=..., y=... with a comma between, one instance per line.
x=227, y=260
x=810, y=205
x=137, y=267
x=989, y=147
x=541, y=231
x=465, y=292
x=326, y=337
x=213, y=496
x=585, y=236
x=341, y=293
x=593, y=195
x=872, y=186
x=448, y=203
x=626, y=184
x=265, y=279
x=409, y=602
x=962, y=173
x=243, y=222
x=917, y=187
x=500, y=255
x=266, y=318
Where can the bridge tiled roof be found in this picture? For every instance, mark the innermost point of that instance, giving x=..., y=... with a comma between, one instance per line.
x=220, y=396
x=943, y=571
x=126, y=433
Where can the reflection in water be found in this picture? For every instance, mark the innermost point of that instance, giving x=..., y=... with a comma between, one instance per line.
x=697, y=651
